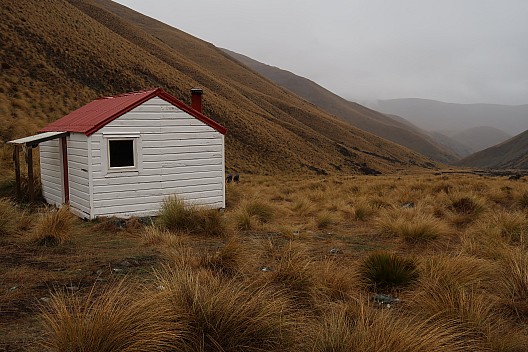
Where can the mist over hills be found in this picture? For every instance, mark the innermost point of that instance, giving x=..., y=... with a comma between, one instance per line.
x=434, y=115
x=392, y=128
x=511, y=154
x=481, y=137
x=58, y=55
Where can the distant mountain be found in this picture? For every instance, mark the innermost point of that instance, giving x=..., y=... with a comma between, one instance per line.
x=511, y=154
x=57, y=55
x=394, y=129
x=451, y=144
x=434, y=115
x=482, y=137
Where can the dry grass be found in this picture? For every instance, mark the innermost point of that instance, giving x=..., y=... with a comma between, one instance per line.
x=287, y=282
x=228, y=315
x=412, y=225
x=358, y=327
x=54, y=227
x=384, y=271
x=115, y=319
x=10, y=217
x=175, y=215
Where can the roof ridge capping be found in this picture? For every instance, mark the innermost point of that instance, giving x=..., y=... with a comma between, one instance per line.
x=139, y=92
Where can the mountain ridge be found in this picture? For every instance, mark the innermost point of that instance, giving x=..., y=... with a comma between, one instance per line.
x=360, y=116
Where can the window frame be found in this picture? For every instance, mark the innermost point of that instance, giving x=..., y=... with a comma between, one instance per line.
x=135, y=138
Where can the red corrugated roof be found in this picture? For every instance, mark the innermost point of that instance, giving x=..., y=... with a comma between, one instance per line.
x=93, y=116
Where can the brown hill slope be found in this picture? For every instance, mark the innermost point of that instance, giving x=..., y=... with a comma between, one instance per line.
x=369, y=120
x=57, y=55
x=511, y=154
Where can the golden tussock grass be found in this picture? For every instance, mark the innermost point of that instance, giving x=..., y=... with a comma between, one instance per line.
x=115, y=319
x=294, y=280
x=228, y=315
x=176, y=215
x=358, y=327
x=54, y=227
x=412, y=225
x=11, y=217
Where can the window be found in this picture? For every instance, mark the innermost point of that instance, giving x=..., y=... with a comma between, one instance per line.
x=121, y=153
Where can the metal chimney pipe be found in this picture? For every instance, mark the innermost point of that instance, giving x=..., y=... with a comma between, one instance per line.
x=196, y=99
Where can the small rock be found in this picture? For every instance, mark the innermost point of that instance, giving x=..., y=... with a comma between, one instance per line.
x=265, y=268
x=117, y=270
x=385, y=300
x=13, y=288
x=45, y=299
x=334, y=251
x=161, y=288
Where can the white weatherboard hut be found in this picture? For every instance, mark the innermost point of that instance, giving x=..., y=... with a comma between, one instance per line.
x=123, y=155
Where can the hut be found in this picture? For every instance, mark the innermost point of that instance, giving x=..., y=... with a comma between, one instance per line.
x=123, y=155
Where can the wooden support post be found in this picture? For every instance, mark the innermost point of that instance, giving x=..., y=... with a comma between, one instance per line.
x=16, y=159
x=31, y=182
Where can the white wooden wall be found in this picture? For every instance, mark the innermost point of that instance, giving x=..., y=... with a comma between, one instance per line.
x=78, y=176
x=178, y=155
x=51, y=172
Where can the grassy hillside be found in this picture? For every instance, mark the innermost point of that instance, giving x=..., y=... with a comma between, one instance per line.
x=57, y=55
x=369, y=120
x=511, y=154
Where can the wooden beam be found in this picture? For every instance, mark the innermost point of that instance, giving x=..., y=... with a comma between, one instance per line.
x=16, y=159
x=66, y=184
x=31, y=182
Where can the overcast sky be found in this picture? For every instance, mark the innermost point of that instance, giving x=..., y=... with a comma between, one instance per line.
x=463, y=51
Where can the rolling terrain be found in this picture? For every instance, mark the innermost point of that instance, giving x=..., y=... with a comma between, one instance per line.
x=387, y=127
x=58, y=55
x=511, y=154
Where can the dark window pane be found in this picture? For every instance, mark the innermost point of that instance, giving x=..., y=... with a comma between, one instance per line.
x=121, y=153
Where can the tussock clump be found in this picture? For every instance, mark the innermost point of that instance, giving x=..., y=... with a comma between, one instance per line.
x=522, y=201
x=473, y=311
x=325, y=219
x=228, y=315
x=262, y=211
x=302, y=206
x=114, y=320
x=483, y=240
x=293, y=273
x=251, y=214
x=387, y=271
x=458, y=271
x=155, y=236
x=335, y=282
x=412, y=225
x=175, y=215
x=513, y=225
x=54, y=227
x=9, y=217
x=465, y=208
x=358, y=327
x=514, y=275
x=229, y=260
